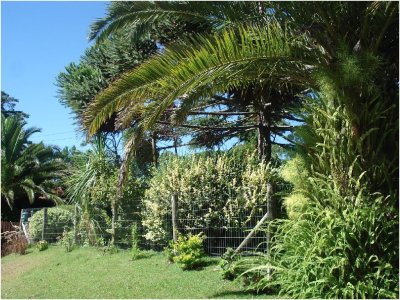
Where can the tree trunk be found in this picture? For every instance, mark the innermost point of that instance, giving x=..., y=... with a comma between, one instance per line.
x=264, y=154
x=264, y=135
x=154, y=148
x=176, y=145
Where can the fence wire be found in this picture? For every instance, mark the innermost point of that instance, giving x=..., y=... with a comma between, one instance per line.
x=221, y=232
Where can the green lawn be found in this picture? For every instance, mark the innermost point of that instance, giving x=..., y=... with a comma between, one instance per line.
x=88, y=273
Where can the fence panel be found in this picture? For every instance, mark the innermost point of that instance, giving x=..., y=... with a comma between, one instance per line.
x=222, y=232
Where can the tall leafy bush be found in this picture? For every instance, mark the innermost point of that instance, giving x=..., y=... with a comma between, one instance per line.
x=341, y=240
x=57, y=219
x=211, y=189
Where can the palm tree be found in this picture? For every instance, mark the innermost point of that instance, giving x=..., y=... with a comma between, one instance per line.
x=26, y=168
x=207, y=17
x=288, y=46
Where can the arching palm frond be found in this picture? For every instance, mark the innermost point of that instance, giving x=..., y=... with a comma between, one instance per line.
x=209, y=64
x=141, y=17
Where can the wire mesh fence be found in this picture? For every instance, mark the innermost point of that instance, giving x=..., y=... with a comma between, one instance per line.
x=222, y=231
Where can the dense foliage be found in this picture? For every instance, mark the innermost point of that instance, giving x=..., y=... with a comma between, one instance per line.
x=213, y=191
x=58, y=218
x=98, y=67
x=92, y=187
x=341, y=240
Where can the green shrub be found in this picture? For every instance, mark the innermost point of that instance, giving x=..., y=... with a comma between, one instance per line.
x=42, y=245
x=57, y=220
x=218, y=187
x=332, y=254
x=345, y=243
x=67, y=240
x=187, y=251
x=229, y=270
x=136, y=253
x=110, y=249
x=295, y=172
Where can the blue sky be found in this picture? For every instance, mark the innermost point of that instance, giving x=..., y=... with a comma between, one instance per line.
x=38, y=39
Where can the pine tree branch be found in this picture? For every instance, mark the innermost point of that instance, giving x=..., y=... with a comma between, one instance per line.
x=177, y=146
x=223, y=113
x=285, y=138
x=208, y=127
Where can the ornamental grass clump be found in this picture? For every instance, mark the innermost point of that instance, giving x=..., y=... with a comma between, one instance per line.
x=14, y=242
x=331, y=253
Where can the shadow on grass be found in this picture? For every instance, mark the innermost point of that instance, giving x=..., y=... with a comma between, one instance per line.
x=30, y=249
x=239, y=294
x=242, y=294
x=144, y=255
x=204, y=263
x=210, y=261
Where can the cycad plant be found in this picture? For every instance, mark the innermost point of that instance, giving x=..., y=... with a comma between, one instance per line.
x=27, y=169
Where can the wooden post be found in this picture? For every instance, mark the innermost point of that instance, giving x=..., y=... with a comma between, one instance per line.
x=44, y=222
x=113, y=219
x=268, y=216
x=270, y=212
x=75, y=223
x=174, y=205
x=20, y=219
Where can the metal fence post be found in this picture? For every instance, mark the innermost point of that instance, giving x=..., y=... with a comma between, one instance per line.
x=44, y=222
x=174, y=205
